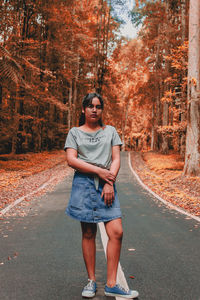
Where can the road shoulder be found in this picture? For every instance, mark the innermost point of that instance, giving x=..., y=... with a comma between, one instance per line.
x=169, y=185
x=30, y=175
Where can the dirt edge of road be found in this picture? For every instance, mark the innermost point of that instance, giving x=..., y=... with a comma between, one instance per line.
x=163, y=175
x=21, y=175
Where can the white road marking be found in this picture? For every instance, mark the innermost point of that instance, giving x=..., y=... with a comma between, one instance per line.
x=17, y=201
x=120, y=274
x=158, y=197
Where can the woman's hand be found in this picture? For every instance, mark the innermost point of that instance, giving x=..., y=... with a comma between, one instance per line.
x=108, y=194
x=107, y=176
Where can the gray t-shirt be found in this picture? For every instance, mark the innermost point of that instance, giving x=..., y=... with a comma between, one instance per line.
x=94, y=147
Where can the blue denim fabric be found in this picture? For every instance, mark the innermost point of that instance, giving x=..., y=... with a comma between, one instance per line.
x=85, y=203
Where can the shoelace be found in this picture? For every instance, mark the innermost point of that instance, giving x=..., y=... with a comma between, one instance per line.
x=122, y=288
x=90, y=284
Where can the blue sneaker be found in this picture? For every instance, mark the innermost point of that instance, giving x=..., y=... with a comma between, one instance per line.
x=90, y=289
x=119, y=291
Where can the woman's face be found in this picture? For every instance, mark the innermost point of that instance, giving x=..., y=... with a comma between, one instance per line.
x=93, y=111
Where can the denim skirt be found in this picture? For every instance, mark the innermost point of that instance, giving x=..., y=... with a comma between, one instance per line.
x=85, y=203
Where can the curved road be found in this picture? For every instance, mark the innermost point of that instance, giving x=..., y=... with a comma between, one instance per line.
x=40, y=253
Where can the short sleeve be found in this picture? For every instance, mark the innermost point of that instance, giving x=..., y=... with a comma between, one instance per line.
x=71, y=140
x=115, y=138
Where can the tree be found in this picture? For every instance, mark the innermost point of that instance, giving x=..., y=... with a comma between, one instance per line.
x=164, y=33
x=51, y=54
x=124, y=83
x=192, y=155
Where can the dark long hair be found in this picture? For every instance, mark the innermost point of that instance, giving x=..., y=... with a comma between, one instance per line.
x=87, y=100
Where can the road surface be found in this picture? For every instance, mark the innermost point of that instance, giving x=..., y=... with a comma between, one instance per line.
x=40, y=252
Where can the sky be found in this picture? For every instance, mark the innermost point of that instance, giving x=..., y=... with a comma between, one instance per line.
x=128, y=30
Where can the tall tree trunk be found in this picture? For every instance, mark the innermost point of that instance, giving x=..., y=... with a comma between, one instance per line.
x=103, y=22
x=76, y=77
x=70, y=105
x=15, y=119
x=156, y=119
x=165, y=144
x=192, y=156
x=124, y=125
x=183, y=20
x=165, y=119
x=98, y=46
x=153, y=128
x=1, y=95
x=182, y=106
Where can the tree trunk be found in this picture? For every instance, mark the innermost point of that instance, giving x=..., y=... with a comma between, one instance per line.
x=98, y=47
x=103, y=22
x=124, y=126
x=1, y=94
x=192, y=156
x=156, y=119
x=165, y=120
x=15, y=118
x=70, y=106
x=182, y=106
x=74, y=105
x=183, y=20
x=153, y=128
x=157, y=122
x=182, y=135
x=165, y=144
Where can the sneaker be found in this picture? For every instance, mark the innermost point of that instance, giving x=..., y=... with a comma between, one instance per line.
x=119, y=291
x=90, y=289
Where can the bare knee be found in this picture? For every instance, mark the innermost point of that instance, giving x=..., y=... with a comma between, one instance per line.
x=116, y=234
x=88, y=231
x=119, y=234
x=114, y=229
x=89, y=235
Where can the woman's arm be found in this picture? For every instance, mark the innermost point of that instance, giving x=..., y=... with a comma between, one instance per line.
x=85, y=167
x=108, y=190
x=115, y=165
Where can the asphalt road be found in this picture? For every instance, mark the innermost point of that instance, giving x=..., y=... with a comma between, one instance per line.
x=40, y=253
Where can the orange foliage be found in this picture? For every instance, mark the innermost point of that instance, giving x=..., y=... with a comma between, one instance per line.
x=163, y=175
x=159, y=162
x=51, y=55
x=127, y=74
x=147, y=78
x=15, y=167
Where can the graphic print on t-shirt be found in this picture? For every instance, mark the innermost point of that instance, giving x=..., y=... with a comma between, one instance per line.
x=95, y=139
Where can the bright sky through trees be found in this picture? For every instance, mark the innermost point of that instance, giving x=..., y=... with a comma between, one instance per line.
x=128, y=29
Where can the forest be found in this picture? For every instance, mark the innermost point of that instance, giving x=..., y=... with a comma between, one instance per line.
x=52, y=53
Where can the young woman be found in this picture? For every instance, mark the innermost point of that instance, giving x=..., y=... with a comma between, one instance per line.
x=93, y=150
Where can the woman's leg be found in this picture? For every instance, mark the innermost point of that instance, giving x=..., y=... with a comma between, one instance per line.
x=115, y=232
x=89, y=247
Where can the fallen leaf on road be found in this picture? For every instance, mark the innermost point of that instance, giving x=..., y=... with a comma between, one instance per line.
x=16, y=254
